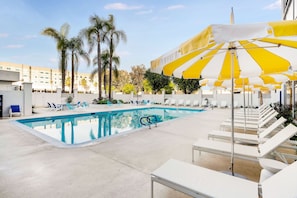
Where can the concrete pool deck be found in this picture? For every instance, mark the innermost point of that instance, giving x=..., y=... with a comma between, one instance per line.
x=117, y=167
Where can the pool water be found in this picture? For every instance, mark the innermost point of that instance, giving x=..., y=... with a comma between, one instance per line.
x=88, y=127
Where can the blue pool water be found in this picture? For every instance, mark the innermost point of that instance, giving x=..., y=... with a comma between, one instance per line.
x=84, y=128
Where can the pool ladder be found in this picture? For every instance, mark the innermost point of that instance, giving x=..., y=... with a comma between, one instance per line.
x=148, y=120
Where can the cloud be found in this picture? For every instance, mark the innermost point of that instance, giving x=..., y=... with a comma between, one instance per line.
x=175, y=7
x=274, y=6
x=121, y=6
x=3, y=35
x=144, y=12
x=14, y=46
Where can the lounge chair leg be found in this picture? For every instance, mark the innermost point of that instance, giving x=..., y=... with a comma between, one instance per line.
x=152, y=188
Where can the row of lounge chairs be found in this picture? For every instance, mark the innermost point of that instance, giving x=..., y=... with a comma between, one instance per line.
x=59, y=107
x=261, y=144
x=204, y=103
x=181, y=102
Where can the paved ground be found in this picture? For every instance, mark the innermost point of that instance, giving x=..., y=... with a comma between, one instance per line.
x=118, y=167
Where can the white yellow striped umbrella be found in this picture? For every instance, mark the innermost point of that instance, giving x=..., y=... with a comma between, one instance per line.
x=254, y=49
x=268, y=79
x=233, y=51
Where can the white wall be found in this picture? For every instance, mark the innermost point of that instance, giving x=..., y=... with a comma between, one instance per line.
x=11, y=98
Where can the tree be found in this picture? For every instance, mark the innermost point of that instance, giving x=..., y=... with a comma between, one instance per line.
x=128, y=88
x=122, y=80
x=62, y=45
x=114, y=37
x=105, y=59
x=146, y=86
x=157, y=81
x=96, y=34
x=137, y=76
x=187, y=85
x=76, y=47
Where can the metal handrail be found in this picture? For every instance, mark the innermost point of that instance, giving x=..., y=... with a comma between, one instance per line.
x=149, y=120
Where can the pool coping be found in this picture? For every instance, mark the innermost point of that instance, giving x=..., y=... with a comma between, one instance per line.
x=59, y=144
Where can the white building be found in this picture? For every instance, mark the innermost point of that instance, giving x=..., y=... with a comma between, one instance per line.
x=47, y=79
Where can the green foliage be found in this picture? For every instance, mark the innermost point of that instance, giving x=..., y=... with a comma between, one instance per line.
x=169, y=88
x=286, y=112
x=69, y=99
x=128, y=88
x=187, y=85
x=146, y=86
x=157, y=81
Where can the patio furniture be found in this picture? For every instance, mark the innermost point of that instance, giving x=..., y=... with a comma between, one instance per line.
x=248, y=138
x=198, y=181
x=268, y=148
x=15, y=110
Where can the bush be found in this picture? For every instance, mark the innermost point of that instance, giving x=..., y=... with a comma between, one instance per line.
x=69, y=99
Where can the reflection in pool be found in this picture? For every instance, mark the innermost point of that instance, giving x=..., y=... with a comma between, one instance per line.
x=84, y=128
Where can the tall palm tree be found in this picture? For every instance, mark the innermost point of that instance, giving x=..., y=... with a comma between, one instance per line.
x=95, y=34
x=62, y=45
x=105, y=66
x=114, y=37
x=76, y=47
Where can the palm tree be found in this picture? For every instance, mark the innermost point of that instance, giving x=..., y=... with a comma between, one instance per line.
x=105, y=66
x=62, y=45
x=76, y=47
x=95, y=34
x=114, y=37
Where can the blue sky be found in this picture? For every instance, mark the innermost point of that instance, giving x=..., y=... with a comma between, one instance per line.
x=153, y=27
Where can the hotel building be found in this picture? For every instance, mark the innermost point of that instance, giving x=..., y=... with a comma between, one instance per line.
x=47, y=79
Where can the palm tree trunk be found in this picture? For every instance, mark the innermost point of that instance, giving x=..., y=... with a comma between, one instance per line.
x=99, y=69
x=63, y=69
x=110, y=67
x=72, y=72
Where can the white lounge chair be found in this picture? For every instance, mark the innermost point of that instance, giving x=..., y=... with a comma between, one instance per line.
x=198, y=181
x=195, y=103
x=247, y=152
x=213, y=103
x=180, y=102
x=249, y=124
x=204, y=103
x=248, y=138
x=167, y=102
x=173, y=102
x=188, y=103
x=224, y=104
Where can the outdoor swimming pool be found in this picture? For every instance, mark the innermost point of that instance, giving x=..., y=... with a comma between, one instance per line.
x=85, y=128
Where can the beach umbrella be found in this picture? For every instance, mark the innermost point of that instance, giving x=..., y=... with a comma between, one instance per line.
x=229, y=51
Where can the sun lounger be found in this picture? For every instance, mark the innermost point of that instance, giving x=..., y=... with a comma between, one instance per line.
x=243, y=115
x=253, y=119
x=188, y=103
x=244, y=151
x=173, y=102
x=180, y=102
x=250, y=125
x=198, y=181
x=201, y=182
x=247, y=138
x=57, y=107
x=195, y=103
x=224, y=104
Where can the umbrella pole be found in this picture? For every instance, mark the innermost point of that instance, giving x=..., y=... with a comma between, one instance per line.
x=232, y=111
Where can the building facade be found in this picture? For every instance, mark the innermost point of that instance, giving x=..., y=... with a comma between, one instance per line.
x=49, y=80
